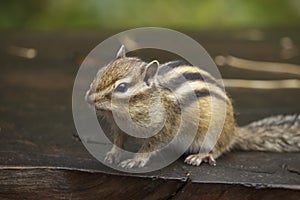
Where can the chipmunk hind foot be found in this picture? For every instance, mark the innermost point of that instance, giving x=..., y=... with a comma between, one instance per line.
x=199, y=158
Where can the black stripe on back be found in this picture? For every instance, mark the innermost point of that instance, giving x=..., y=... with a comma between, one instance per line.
x=193, y=76
x=202, y=77
x=188, y=76
x=189, y=98
x=185, y=77
x=177, y=63
x=205, y=93
x=171, y=65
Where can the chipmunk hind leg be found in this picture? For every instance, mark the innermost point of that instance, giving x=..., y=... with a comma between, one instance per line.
x=196, y=157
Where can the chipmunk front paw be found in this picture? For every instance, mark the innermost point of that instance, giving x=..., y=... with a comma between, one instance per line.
x=130, y=163
x=112, y=157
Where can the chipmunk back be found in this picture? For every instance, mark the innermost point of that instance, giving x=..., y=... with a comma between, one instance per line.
x=142, y=85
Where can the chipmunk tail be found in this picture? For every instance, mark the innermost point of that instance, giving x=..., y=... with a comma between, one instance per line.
x=278, y=134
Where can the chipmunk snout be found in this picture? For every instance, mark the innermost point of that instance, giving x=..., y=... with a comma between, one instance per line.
x=90, y=97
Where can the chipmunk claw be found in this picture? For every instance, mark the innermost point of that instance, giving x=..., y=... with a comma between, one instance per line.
x=197, y=159
x=112, y=157
x=131, y=163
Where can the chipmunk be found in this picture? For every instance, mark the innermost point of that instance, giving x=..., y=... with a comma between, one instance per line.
x=142, y=84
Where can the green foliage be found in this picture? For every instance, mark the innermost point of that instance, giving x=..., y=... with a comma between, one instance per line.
x=195, y=14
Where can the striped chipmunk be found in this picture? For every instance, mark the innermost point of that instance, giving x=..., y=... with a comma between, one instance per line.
x=142, y=83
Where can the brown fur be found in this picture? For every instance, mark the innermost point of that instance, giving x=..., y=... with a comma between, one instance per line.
x=279, y=134
x=252, y=137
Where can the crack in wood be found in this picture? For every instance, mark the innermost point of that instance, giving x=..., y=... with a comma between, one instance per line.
x=180, y=189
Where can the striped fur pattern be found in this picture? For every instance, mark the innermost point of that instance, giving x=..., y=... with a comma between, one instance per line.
x=144, y=85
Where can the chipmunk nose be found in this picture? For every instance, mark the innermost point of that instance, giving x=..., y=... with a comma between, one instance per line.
x=90, y=98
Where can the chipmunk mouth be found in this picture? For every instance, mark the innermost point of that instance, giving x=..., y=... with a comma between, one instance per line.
x=102, y=107
x=92, y=101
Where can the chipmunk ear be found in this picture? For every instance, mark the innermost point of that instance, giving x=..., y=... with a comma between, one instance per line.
x=150, y=72
x=121, y=52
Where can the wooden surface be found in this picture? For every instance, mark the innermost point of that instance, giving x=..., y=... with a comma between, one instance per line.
x=72, y=184
x=41, y=158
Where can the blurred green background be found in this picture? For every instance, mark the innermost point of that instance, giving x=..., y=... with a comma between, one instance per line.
x=114, y=14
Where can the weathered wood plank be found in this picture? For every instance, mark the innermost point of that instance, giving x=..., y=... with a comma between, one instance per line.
x=194, y=191
x=40, y=158
x=72, y=184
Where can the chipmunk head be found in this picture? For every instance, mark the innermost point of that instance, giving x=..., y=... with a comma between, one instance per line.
x=125, y=78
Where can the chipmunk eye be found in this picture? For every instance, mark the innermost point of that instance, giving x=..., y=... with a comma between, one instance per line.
x=122, y=87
